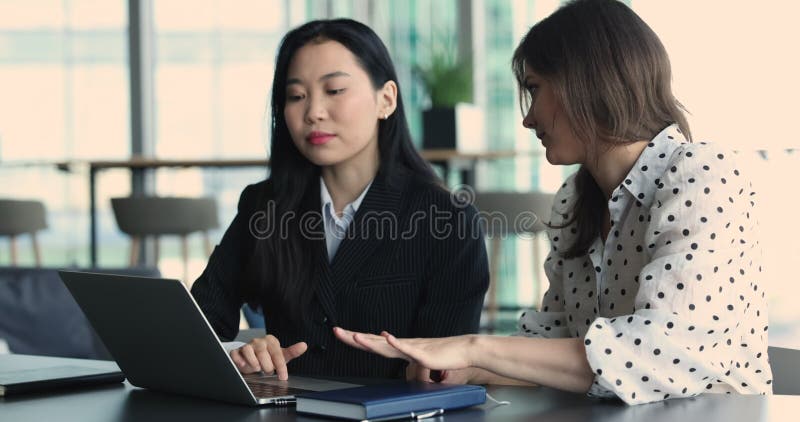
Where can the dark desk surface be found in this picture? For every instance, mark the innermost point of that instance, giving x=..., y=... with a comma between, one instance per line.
x=123, y=402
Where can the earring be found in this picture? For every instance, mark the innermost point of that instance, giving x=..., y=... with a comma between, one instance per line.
x=385, y=116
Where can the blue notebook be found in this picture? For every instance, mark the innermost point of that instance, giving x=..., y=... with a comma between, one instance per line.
x=389, y=401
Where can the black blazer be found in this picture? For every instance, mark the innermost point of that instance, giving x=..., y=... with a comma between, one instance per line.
x=428, y=279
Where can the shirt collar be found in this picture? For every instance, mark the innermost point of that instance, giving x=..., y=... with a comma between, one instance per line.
x=327, y=202
x=643, y=179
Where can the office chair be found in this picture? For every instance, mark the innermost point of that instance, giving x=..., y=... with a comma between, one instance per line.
x=139, y=217
x=510, y=207
x=21, y=217
x=785, y=365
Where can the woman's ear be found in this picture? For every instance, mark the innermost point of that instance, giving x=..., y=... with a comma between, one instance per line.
x=387, y=100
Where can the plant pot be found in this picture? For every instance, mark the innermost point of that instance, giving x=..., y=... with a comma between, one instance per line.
x=460, y=128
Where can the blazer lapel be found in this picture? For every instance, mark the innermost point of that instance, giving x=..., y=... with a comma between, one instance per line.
x=369, y=227
x=324, y=286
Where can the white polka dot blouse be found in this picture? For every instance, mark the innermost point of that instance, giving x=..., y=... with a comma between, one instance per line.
x=672, y=305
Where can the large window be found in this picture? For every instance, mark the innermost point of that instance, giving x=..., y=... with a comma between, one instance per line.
x=213, y=69
x=212, y=73
x=63, y=95
x=735, y=68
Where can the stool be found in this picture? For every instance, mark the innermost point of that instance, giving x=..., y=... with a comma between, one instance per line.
x=139, y=217
x=20, y=217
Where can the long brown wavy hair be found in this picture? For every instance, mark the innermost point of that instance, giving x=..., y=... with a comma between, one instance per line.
x=612, y=77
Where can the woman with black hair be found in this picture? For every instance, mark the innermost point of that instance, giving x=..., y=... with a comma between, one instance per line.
x=656, y=289
x=352, y=228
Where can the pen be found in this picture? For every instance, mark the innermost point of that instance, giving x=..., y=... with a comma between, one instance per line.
x=425, y=414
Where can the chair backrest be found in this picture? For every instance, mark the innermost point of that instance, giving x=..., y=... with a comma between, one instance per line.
x=785, y=365
x=18, y=217
x=514, y=212
x=151, y=215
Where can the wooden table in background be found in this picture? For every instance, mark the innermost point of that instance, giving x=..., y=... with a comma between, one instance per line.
x=448, y=159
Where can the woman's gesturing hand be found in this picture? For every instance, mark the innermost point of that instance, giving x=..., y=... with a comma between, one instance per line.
x=432, y=353
x=266, y=354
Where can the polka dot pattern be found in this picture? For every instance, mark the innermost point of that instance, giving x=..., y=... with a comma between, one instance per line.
x=672, y=303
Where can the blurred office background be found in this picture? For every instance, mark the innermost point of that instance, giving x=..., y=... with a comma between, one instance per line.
x=203, y=71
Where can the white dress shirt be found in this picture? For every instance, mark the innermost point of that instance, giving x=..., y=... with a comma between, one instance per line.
x=336, y=226
x=672, y=304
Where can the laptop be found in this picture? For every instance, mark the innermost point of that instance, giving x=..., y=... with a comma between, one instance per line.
x=162, y=341
x=27, y=374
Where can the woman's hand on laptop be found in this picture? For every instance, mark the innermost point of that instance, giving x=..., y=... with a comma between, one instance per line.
x=266, y=354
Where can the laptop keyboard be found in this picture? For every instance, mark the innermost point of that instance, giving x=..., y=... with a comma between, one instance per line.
x=262, y=389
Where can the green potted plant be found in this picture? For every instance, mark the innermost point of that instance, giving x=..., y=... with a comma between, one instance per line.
x=451, y=121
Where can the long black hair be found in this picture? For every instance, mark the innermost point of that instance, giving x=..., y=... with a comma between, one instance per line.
x=284, y=265
x=612, y=76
